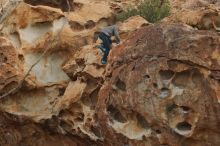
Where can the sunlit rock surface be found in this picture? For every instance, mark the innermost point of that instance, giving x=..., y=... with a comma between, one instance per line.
x=201, y=14
x=159, y=88
x=162, y=91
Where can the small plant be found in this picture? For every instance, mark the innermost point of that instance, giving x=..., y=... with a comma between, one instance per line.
x=151, y=10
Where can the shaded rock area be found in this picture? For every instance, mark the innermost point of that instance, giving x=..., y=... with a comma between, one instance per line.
x=159, y=88
x=21, y=131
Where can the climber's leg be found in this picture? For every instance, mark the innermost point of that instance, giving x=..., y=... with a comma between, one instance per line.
x=106, y=41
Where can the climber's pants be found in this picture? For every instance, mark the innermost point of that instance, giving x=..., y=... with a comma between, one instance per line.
x=106, y=41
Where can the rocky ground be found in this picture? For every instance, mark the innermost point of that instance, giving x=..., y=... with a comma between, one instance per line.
x=159, y=88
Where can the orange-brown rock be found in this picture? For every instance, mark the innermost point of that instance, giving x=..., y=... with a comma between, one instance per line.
x=162, y=88
x=11, y=71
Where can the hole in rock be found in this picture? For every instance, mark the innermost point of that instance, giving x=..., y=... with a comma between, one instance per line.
x=76, y=26
x=51, y=124
x=9, y=72
x=96, y=131
x=185, y=109
x=197, y=78
x=116, y=114
x=142, y=122
x=184, y=126
x=155, y=85
x=89, y=120
x=80, y=117
x=165, y=92
x=92, y=99
x=182, y=78
x=120, y=85
x=62, y=91
x=146, y=76
x=89, y=24
x=171, y=107
x=166, y=74
x=158, y=131
x=3, y=58
x=21, y=57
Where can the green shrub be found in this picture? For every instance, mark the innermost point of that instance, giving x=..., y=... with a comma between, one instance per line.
x=151, y=10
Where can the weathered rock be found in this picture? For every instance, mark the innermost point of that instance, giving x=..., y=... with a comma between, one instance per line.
x=202, y=14
x=86, y=61
x=130, y=25
x=19, y=131
x=162, y=89
x=11, y=71
x=62, y=4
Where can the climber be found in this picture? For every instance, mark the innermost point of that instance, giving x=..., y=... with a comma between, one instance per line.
x=105, y=35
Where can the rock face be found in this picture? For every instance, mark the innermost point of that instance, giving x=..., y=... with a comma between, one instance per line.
x=162, y=91
x=21, y=131
x=201, y=14
x=160, y=86
x=10, y=73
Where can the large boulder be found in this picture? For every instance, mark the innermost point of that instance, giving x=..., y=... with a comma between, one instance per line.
x=162, y=88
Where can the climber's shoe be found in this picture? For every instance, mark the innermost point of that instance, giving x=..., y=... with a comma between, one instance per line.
x=104, y=62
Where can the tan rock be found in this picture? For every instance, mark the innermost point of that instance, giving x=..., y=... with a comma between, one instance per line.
x=11, y=69
x=160, y=86
x=131, y=24
x=73, y=93
x=86, y=62
x=202, y=14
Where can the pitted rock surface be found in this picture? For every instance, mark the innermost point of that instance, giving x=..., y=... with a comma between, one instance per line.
x=163, y=89
x=160, y=86
x=11, y=72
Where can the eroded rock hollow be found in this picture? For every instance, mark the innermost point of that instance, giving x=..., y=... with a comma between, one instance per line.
x=159, y=88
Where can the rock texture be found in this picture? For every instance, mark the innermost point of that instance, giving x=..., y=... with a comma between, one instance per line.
x=164, y=90
x=201, y=14
x=11, y=73
x=160, y=86
x=21, y=131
